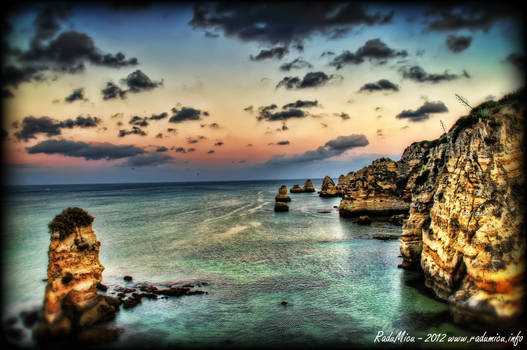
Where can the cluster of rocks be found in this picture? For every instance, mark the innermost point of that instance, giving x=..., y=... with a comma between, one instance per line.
x=73, y=307
x=308, y=187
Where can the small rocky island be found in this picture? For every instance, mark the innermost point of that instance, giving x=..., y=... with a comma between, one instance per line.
x=464, y=194
x=73, y=306
x=281, y=199
x=308, y=187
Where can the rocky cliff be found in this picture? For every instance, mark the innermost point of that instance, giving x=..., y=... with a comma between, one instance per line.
x=328, y=188
x=465, y=197
x=71, y=301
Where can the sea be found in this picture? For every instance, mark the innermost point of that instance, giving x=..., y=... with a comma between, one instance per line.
x=342, y=286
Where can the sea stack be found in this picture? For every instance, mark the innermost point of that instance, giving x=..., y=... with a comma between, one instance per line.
x=71, y=301
x=296, y=189
x=308, y=186
x=328, y=188
x=282, y=195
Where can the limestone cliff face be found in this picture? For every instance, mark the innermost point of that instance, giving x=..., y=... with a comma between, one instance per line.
x=374, y=190
x=465, y=196
x=71, y=300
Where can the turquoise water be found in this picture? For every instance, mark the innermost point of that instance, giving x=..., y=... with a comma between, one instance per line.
x=342, y=286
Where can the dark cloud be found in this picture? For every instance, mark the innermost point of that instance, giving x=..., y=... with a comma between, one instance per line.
x=219, y=143
x=248, y=109
x=69, y=52
x=191, y=149
x=77, y=94
x=13, y=76
x=297, y=63
x=46, y=23
x=380, y=85
x=517, y=60
x=327, y=53
x=112, y=91
x=138, y=121
x=471, y=16
x=88, y=151
x=180, y=150
x=148, y=159
x=282, y=115
x=161, y=149
x=330, y=149
x=275, y=52
x=457, y=44
x=191, y=140
x=159, y=116
x=211, y=151
x=138, y=81
x=343, y=116
x=186, y=113
x=423, y=113
x=285, y=23
x=310, y=80
x=211, y=34
x=32, y=126
x=417, y=73
x=301, y=104
x=283, y=143
x=135, y=131
x=214, y=125
x=373, y=50
x=242, y=161
x=159, y=135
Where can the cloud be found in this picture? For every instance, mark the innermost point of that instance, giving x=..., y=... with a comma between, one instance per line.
x=138, y=81
x=343, y=116
x=135, y=131
x=286, y=23
x=190, y=140
x=191, y=149
x=477, y=16
x=214, y=125
x=301, y=104
x=148, y=159
x=265, y=114
x=88, y=151
x=517, y=60
x=374, y=50
x=219, y=143
x=297, y=63
x=46, y=23
x=330, y=149
x=380, y=85
x=310, y=80
x=77, y=94
x=416, y=73
x=32, y=126
x=180, y=150
x=211, y=151
x=457, y=44
x=138, y=121
x=13, y=76
x=159, y=116
x=283, y=143
x=423, y=113
x=161, y=149
x=182, y=114
x=275, y=52
x=249, y=109
x=113, y=91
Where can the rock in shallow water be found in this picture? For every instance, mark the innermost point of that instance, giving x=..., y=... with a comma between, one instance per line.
x=282, y=195
x=281, y=206
x=364, y=220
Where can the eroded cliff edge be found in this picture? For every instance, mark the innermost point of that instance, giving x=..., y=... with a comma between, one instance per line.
x=465, y=197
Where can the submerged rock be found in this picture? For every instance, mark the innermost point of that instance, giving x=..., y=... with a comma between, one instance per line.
x=364, y=220
x=281, y=206
x=386, y=236
x=328, y=188
x=282, y=195
x=398, y=219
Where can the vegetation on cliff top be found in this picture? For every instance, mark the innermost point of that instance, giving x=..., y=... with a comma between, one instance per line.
x=65, y=222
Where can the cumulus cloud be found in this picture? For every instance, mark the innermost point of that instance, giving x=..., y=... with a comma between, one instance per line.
x=266, y=114
x=161, y=149
x=343, y=116
x=457, y=44
x=135, y=131
x=374, y=50
x=219, y=143
x=310, y=80
x=138, y=81
x=112, y=91
x=417, y=73
x=301, y=104
x=275, y=52
x=77, y=94
x=286, y=23
x=159, y=116
x=297, y=63
x=330, y=149
x=138, y=121
x=283, y=143
x=181, y=114
x=423, y=113
x=88, y=151
x=380, y=85
x=211, y=151
x=32, y=126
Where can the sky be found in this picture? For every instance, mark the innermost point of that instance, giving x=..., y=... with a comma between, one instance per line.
x=160, y=92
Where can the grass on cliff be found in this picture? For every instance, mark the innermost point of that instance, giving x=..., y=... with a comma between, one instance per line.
x=65, y=222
